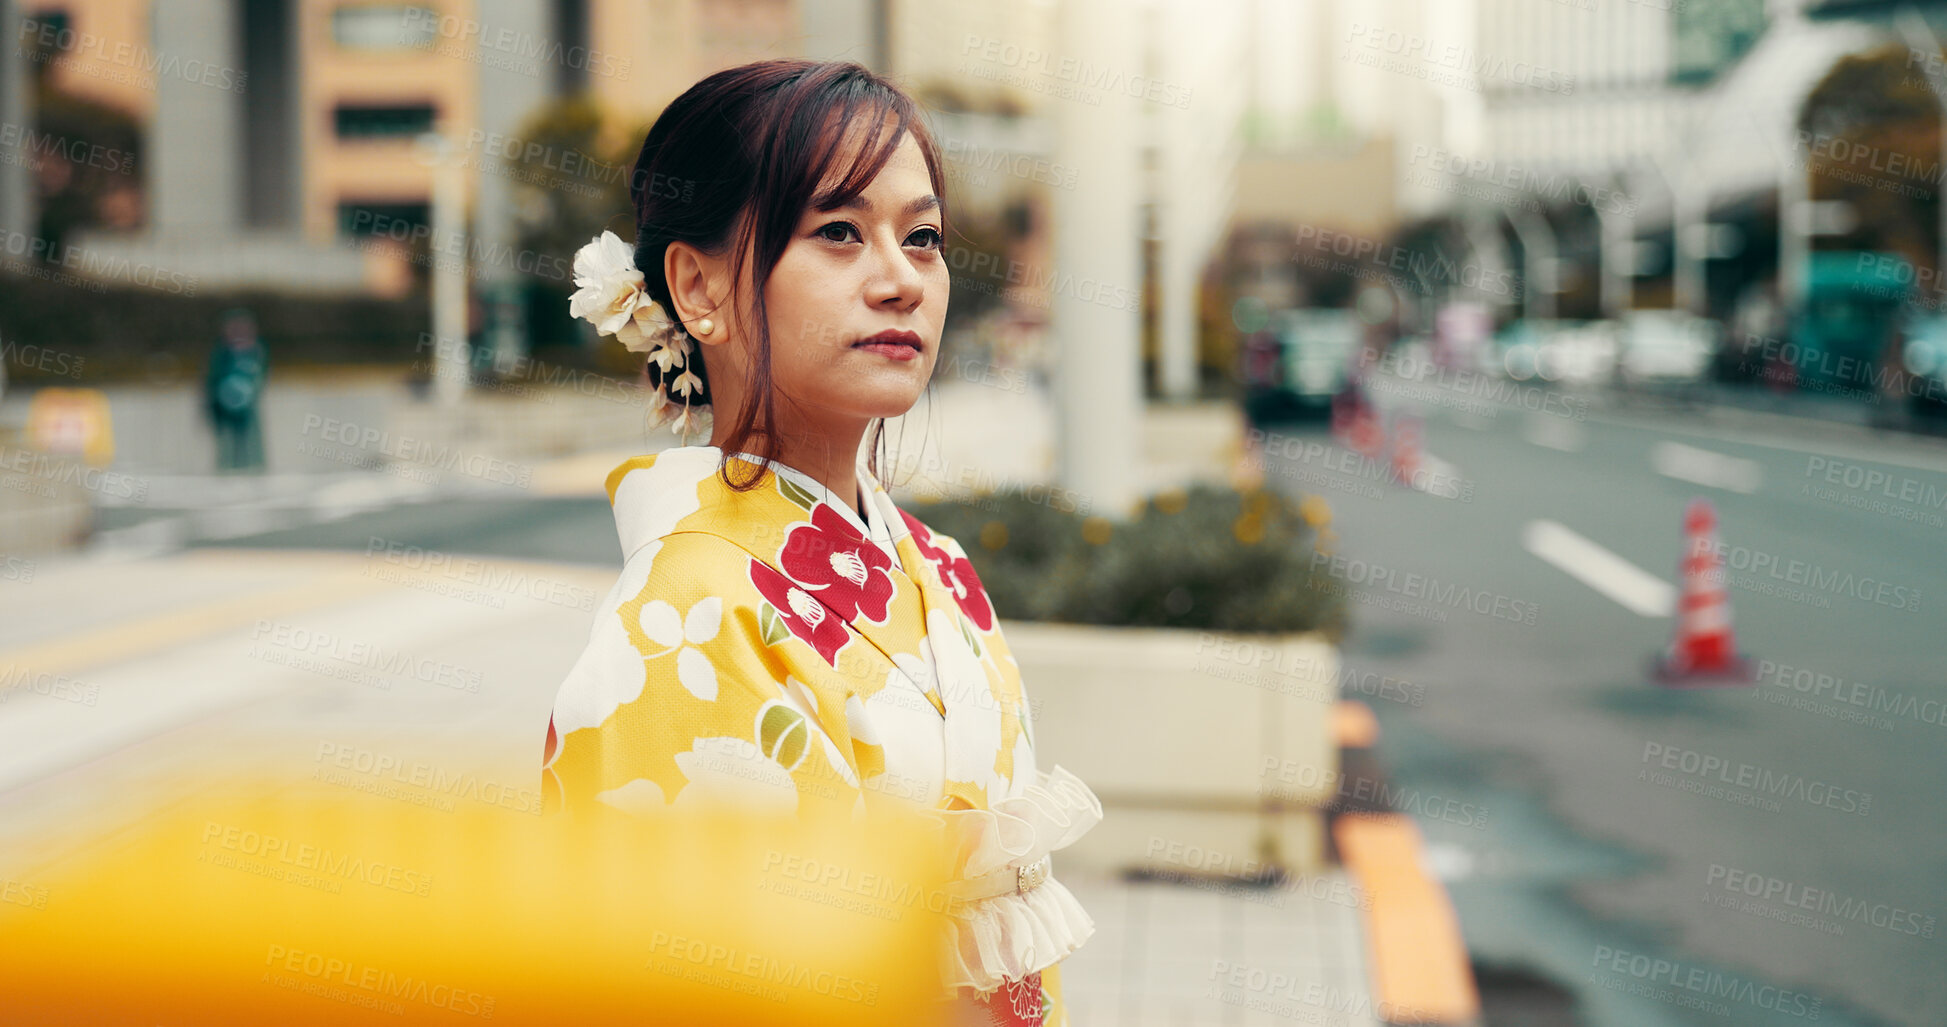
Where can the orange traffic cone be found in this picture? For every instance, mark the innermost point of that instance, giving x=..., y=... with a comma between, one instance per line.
x=1345, y=407
x=1704, y=650
x=1406, y=449
x=1355, y=423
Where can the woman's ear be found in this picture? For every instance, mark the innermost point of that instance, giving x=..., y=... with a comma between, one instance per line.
x=695, y=280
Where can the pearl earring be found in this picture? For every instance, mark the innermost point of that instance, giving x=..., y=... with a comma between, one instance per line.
x=705, y=326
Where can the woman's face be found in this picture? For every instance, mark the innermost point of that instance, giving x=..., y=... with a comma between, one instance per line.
x=870, y=269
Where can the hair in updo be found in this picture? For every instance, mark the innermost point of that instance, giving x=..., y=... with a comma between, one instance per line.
x=733, y=164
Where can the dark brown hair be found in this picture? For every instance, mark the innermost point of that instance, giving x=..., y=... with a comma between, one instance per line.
x=734, y=163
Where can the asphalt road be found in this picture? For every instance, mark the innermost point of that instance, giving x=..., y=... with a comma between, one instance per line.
x=1771, y=852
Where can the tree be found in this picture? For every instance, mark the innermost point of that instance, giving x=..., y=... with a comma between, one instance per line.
x=1872, y=129
x=572, y=175
x=86, y=158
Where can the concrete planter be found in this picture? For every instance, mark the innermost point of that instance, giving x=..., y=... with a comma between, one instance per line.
x=45, y=506
x=1212, y=753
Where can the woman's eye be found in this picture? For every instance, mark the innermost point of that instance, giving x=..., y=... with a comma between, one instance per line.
x=842, y=227
x=845, y=231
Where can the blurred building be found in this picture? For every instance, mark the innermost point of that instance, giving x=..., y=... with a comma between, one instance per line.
x=1342, y=95
x=1350, y=103
x=1670, y=164
x=279, y=130
x=1011, y=90
x=1616, y=95
x=283, y=136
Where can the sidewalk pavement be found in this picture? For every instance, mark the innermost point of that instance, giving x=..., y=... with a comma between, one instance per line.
x=1165, y=953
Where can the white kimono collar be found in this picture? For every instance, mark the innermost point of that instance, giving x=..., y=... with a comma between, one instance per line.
x=874, y=521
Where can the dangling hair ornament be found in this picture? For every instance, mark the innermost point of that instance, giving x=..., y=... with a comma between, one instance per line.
x=609, y=294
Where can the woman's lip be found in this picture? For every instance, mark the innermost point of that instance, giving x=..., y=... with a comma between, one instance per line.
x=893, y=344
x=892, y=350
x=892, y=337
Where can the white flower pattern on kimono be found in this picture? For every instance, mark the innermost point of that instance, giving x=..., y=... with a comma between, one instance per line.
x=736, y=772
x=908, y=731
x=859, y=722
x=609, y=674
x=804, y=701
x=639, y=796
x=659, y=497
x=973, y=719
x=920, y=670
x=798, y=695
x=664, y=627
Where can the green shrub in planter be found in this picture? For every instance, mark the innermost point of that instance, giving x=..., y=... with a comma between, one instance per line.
x=1210, y=558
x=1029, y=555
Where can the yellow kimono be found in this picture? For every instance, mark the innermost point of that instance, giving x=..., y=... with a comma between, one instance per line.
x=776, y=650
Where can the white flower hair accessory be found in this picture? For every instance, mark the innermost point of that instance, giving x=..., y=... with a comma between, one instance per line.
x=610, y=294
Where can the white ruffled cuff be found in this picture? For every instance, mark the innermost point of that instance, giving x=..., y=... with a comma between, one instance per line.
x=1001, y=933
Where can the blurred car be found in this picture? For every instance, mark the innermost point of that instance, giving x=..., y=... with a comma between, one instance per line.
x=1664, y=348
x=1574, y=353
x=1581, y=355
x=1516, y=351
x=1303, y=359
x=1924, y=357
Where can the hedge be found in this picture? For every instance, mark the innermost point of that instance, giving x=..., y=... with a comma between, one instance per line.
x=1209, y=558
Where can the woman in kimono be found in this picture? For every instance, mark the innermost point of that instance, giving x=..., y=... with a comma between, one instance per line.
x=782, y=636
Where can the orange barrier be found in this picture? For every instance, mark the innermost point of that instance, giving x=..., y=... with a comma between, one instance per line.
x=1419, y=968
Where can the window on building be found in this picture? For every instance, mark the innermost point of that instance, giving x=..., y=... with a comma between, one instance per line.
x=401, y=222
x=1709, y=38
x=384, y=27
x=42, y=34
x=405, y=121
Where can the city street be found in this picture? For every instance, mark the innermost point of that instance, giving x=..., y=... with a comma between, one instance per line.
x=1463, y=484
x=1590, y=844
x=1525, y=610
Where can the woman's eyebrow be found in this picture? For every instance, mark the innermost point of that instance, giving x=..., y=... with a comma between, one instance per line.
x=860, y=203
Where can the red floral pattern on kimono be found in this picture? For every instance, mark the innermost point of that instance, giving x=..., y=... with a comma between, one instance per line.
x=1021, y=1003
x=955, y=572
x=842, y=568
x=812, y=622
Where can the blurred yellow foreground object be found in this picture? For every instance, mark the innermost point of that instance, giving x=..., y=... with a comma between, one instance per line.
x=302, y=908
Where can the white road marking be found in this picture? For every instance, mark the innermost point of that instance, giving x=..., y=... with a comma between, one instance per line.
x=1801, y=437
x=1436, y=477
x=1555, y=433
x=1635, y=588
x=1688, y=463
